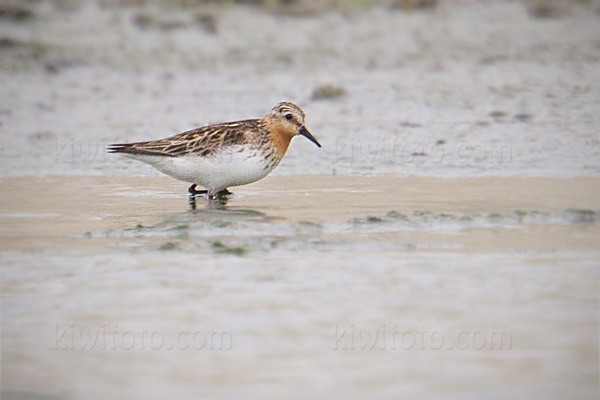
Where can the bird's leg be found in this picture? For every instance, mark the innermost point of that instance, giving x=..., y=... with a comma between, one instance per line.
x=192, y=190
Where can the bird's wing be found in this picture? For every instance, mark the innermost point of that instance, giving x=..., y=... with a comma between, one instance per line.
x=200, y=141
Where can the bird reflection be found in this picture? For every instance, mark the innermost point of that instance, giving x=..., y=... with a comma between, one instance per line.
x=211, y=204
x=213, y=207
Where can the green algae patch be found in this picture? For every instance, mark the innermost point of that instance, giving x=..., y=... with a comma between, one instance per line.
x=582, y=215
x=220, y=248
x=168, y=246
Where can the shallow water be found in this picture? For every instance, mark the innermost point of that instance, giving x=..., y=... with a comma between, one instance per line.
x=300, y=287
x=136, y=211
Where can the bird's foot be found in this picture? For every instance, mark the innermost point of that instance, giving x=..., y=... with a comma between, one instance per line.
x=193, y=192
x=222, y=195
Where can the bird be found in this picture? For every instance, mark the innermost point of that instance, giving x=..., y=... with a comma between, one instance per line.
x=223, y=155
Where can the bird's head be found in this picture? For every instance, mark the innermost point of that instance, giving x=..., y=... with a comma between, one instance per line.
x=288, y=119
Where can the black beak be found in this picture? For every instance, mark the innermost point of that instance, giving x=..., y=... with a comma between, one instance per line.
x=304, y=132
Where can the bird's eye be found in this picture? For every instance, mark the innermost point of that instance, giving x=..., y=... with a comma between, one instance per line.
x=288, y=117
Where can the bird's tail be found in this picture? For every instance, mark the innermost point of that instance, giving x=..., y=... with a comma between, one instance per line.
x=120, y=148
x=138, y=148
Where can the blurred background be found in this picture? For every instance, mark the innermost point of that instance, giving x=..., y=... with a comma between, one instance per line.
x=442, y=244
x=404, y=75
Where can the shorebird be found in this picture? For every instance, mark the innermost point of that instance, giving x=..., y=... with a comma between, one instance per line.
x=220, y=156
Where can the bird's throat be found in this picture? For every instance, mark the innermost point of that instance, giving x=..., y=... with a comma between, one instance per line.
x=280, y=136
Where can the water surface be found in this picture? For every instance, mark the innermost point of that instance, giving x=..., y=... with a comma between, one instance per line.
x=334, y=286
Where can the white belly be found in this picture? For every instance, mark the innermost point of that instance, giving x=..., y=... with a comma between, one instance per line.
x=216, y=172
